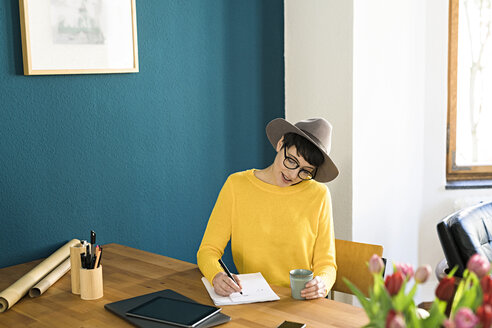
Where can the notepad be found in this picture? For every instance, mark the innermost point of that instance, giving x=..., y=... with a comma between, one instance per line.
x=255, y=289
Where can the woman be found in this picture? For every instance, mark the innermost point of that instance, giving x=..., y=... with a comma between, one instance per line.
x=278, y=218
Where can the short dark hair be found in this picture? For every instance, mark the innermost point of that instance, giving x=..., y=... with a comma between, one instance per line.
x=305, y=148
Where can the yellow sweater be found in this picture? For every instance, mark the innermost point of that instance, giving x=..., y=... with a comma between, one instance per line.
x=272, y=230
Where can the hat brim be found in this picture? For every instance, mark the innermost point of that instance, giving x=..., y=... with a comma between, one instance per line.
x=276, y=130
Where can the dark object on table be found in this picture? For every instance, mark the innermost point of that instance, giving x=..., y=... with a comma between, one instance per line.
x=121, y=307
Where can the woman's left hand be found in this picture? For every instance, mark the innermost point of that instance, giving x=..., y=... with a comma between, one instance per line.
x=315, y=288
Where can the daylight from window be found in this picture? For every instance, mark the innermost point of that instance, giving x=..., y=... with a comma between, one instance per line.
x=474, y=94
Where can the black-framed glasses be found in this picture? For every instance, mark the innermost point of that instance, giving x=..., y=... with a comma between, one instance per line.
x=292, y=164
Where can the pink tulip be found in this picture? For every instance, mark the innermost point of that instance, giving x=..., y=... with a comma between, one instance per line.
x=376, y=264
x=405, y=268
x=395, y=320
x=448, y=324
x=478, y=264
x=422, y=274
x=465, y=318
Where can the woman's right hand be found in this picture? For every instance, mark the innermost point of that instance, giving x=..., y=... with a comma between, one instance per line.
x=225, y=286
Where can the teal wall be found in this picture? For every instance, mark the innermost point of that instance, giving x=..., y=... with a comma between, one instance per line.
x=139, y=158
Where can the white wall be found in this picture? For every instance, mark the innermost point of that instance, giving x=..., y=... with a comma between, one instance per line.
x=388, y=124
x=378, y=71
x=318, y=83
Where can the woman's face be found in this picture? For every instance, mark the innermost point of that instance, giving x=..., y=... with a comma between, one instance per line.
x=283, y=176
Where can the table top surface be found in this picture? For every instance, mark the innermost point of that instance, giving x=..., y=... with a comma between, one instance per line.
x=129, y=272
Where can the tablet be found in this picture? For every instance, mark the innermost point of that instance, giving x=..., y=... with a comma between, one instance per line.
x=173, y=311
x=291, y=324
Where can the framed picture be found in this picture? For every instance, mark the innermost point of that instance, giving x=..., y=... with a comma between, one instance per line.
x=78, y=36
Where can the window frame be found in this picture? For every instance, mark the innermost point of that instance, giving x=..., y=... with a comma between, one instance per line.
x=453, y=171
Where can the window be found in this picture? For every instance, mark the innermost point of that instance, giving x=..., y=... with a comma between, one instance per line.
x=469, y=139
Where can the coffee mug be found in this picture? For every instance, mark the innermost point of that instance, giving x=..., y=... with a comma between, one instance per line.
x=298, y=280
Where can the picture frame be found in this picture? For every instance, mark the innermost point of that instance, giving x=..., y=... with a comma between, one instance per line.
x=78, y=36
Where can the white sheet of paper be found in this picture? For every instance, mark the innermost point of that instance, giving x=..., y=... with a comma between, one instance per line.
x=255, y=289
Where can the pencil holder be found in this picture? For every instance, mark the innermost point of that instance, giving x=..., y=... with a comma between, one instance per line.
x=75, y=252
x=91, y=283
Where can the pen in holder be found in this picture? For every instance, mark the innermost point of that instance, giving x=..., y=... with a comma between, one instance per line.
x=91, y=283
x=75, y=264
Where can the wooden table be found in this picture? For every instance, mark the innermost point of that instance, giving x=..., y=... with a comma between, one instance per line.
x=129, y=272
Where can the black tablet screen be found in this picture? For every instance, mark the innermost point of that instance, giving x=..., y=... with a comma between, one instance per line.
x=173, y=311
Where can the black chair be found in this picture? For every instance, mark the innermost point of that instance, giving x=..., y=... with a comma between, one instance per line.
x=464, y=233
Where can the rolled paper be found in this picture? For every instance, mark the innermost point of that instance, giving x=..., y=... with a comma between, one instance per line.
x=18, y=289
x=50, y=279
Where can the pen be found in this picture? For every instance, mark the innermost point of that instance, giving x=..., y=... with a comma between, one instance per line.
x=87, y=256
x=99, y=258
x=228, y=273
x=93, y=262
x=98, y=255
x=82, y=260
x=93, y=242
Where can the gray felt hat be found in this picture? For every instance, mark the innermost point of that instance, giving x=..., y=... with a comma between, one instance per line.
x=316, y=130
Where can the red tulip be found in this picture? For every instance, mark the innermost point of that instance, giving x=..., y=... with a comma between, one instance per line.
x=445, y=289
x=393, y=282
x=478, y=264
x=486, y=283
x=487, y=299
x=484, y=314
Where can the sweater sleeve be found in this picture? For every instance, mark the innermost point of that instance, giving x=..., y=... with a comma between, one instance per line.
x=324, y=264
x=217, y=234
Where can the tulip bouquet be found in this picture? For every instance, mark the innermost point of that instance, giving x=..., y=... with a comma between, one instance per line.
x=467, y=304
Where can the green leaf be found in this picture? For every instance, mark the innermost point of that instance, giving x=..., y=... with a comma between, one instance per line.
x=411, y=317
x=386, y=301
x=402, y=301
x=468, y=294
x=436, y=317
x=457, y=297
x=408, y=299
x=379, y=290
x=360, y=296
x=453, y=271
x=372, y=324
x=458, y=294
